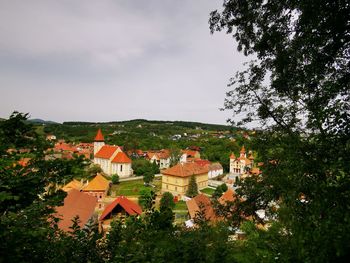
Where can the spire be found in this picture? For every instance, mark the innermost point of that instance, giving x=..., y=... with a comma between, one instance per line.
x=242, y=150
x=99, y=137
x=232, y=156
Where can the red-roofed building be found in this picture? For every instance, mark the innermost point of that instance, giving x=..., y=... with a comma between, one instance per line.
x=161, y=158
x=111, y=158
x=75, y=204
x=189, y=155
x=201, y=204
x=240, y=165
x=176, y=179
x=120, y=208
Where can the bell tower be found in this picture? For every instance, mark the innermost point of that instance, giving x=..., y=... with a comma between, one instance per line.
x=99, y=141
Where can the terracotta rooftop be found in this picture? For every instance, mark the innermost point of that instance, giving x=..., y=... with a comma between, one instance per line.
x=242, y=150
x=130, y=207
x=99, y=137
x=228, y=196
x=201, y=203
x=233, y=156
x=121, y=157
x=99, y=183
x=74, y=184
x=75, y=204
x=185, y=170
x=106, y=151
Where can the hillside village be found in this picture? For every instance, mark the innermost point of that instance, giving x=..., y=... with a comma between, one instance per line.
x=105, y=203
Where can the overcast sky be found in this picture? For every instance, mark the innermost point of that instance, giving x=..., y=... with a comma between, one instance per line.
x=114, y=60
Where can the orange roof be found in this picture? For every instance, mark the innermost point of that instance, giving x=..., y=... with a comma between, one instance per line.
x=75, y=204
x=99, y=137
x=242, y=150
x=130, y=207
x=199, y=203
x=106, y=151
x=228, y=196
x=202, y=162
x=74, y=184
x=185, y=170
x=24, y=161
x=99, y=183
x=62, y=146
x=121, y=157
x=233, y=156
x=190, y=152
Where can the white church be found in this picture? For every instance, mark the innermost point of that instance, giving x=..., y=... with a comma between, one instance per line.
x=111, y=158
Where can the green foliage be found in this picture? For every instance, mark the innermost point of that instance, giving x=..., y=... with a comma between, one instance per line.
x=299, y=90
x=167, y=201
x=147, y=199
x=220, y=190
x=192, y=187
x=28, y=193
x=115, y=179
x=142, y=167
x=148, y=177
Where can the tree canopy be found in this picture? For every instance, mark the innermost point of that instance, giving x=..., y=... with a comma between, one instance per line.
x=297, y=87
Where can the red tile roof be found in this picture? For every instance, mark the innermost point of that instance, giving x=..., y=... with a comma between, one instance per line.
x=121, y=157
x=185, y=170
x=99, y=137
x=242, y=150
x=130, y=207
x=228, y=196
x=202, y=162
x=98, y=184
x=233, y=156
x=75, y=204
x=106, y=151
x=62, y=146
x=202, y=203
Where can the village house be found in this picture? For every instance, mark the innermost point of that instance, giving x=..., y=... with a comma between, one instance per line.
x=240, y=165
x=120, y=208
x=189, y=156
x=76, y=204
x=176, y=179
x=215, y=169
x=98, y=187
x=74, y=184
x=200, y=204
x=111, y=158
x=161, y=158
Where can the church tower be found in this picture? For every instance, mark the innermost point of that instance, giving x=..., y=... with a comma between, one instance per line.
x=242, y=153
x=99, y=141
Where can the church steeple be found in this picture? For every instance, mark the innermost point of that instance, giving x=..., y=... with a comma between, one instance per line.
x=99, y=141
x=99, y=136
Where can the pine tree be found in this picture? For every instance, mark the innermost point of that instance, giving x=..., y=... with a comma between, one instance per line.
x=192, y=187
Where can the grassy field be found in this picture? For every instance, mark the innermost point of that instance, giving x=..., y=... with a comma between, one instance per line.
x=180, y=205
x=133, y=188
x=208, y=191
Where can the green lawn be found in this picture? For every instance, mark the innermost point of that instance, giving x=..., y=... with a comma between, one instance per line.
x=133, y=188
x=180, y=205
x=208, y=191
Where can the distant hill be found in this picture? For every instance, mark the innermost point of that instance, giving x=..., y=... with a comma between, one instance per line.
x=41, y=121
x=185, y=124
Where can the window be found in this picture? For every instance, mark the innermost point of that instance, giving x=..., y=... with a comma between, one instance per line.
x=166, y=186
x=121, y=167
x=175, y=188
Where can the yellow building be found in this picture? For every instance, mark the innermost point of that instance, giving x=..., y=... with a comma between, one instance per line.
x=176, y=179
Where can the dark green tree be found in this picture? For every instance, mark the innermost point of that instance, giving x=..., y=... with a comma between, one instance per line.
x=299, y=89
x=148, y=177
x=147, y=199
x=192, y=187
x=220, y=190
x=115, y=179
x=167, y=201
